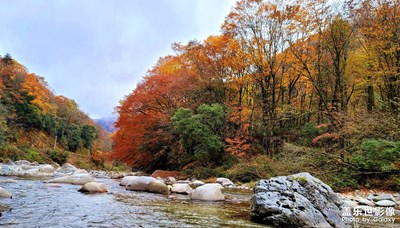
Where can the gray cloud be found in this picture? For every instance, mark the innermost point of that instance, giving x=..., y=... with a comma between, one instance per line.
x=96, y=51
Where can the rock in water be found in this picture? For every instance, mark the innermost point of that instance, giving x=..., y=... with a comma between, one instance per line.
x=140, y=183
x=210, y=192
x=385, y=203
x=93, y=187
x=299, y=200
x=78, y=179
x=4, y=193
x=158, y=187
x=181, y=189
x=126, y=180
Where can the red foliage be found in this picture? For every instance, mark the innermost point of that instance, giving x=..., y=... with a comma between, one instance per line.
x=147, y=111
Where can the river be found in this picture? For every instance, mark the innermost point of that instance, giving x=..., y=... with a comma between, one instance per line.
x=38, y=204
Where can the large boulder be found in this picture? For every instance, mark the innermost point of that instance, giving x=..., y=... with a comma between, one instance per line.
x=299, y=200
x=4, y=193
x=140, y=183
x=181, y=189
x=211, y=192
x=93, y=187
x=10, y=170
x=125, y=180
x=78, y=179
x=157, y=187
x=26, y=169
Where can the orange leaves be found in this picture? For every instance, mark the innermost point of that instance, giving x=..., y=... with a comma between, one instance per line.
x=36, y=87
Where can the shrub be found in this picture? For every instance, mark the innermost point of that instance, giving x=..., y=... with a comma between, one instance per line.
x=249, y=170
x=31, y=154
x=377, y=155
x=201, y=172
x=58, y=156
x=307, y=133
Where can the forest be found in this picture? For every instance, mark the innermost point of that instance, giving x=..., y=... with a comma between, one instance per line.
x=286, y=87
x=37, y=125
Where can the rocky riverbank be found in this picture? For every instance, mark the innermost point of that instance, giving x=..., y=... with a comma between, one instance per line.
x=292, y=201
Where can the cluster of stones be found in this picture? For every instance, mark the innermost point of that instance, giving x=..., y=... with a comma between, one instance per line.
x=162, y=182
x=197, y=190
x=372, y=200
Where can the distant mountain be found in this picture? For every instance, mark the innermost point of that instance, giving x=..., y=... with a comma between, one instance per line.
x=107, y=123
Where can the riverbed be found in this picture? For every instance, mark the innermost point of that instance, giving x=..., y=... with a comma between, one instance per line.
x=38, y=204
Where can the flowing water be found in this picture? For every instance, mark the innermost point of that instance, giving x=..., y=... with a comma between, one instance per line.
x=38, y=204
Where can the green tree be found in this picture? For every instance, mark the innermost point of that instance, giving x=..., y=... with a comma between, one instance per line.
x=88, y=136
x=200, y=133
x=73, y=133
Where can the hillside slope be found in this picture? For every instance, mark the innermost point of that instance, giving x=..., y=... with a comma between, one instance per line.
x=36, y=124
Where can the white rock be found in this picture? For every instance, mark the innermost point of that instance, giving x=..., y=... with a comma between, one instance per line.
x=46, y=169
x=9, y=170
x=384, y=197
x=225, y=182
x=181, y=189
x=385, y=203
x=4, y=193
x=140, y=183
x=363, y=201
x=67, y=168
x=197, y=183
x=23, y=162
x=80, y=171
x=125, y=180
x=93, y=187
x=157, y=187
x=350, y=203
x=210, y=192
x=78, y=179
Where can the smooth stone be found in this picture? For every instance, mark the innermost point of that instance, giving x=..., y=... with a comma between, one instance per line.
x=158, y=187
x=78, y=179
x=181, y=189
x=350, y=203
x=384, y=197
x=46, y=169
x=93, y=187
x=4, y=193
x=197, y=183
x=67, y=168
x=225, y=182
x=363, y=201
x=125, y=180
x=23, y=162
x=370, y=197
x=385, y=203
x=209, y=192
x=9, y=181
x=140, y=183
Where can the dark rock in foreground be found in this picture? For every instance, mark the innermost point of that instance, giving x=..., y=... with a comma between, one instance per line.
x=299, y=200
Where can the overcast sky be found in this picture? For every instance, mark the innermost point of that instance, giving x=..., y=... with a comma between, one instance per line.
x=95, y=51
